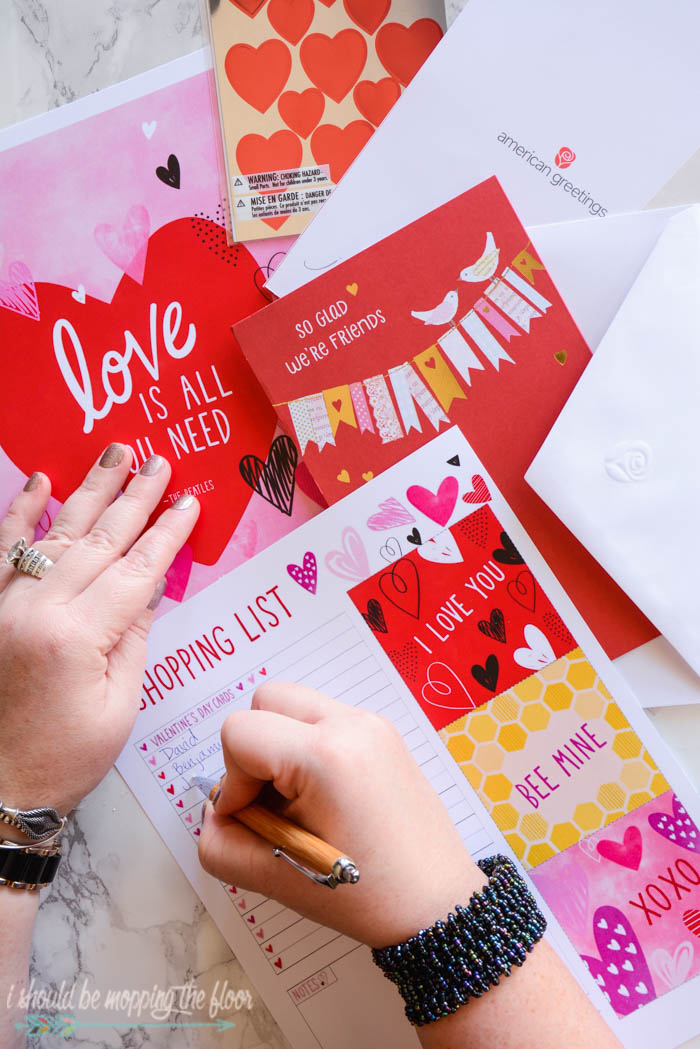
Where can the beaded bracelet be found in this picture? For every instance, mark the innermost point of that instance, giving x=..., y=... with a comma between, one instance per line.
x=440, y=968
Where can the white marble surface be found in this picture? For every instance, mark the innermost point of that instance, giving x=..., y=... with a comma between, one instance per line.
x=122, y=915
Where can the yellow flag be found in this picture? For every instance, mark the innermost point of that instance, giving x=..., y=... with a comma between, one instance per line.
x=435, y=371
x=525, y=263
x=339, y=407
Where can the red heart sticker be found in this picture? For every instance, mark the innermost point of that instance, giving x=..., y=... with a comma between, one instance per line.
x=374, y=100
x=333, y=64
x=258, y=74
x=402, y=50
x=338, y=147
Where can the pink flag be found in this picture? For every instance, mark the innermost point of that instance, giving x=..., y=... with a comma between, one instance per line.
x=497, y=321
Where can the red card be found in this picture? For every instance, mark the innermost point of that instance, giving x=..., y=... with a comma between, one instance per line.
x=462, y=618
x=452, y=319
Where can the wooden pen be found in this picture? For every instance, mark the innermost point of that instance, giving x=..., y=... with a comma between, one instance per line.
x=321, y=862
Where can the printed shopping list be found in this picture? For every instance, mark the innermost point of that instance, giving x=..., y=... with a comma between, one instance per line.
x=302, y=86
x=118, y=291
x=453, y=319
x=287, y=615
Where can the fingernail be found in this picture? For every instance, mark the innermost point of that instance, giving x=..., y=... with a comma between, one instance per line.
x=216, y=797
x=204, y=812
x=32, y=482
x=112, y=456
x=183, y=502
x=152, y=465
x=157, y=594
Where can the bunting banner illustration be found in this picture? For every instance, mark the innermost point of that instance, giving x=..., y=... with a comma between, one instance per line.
x=339, y=407
x=362, y=412
x=460, y=354
x=388, y=425
x=525, y=263
x=535, y=297
x=399, y=382
x=518, y=309
x=434, y=369
x=424, y=398
x=323, y=434
x=301, y=420
x=497, y=321
x=487, y=343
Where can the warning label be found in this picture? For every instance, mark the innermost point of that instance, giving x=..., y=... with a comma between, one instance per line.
x=278, y=180
x=288, y=202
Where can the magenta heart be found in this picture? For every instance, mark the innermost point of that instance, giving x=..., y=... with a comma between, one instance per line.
x=177, y=576
x=152, y=760
x=260, y=933
x=188, y=818
x=621, y=971
x=127, y=245
x=240, y=685
x=351, y=562
x=180, y=804
x=438, y=506
x=144, y=746
x=627, y=853
x=197, y=832
x=306, y=574
x=679, y=828
x=19, y=293
x=391, y=514
x=252, y=919
x=263, y=671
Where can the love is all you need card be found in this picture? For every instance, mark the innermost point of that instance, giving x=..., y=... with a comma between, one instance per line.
x=302, y=85
x=117, y=291
x=453, y=319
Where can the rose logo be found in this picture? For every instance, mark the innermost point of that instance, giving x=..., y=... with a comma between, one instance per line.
x=565, y=157
x=629, y=461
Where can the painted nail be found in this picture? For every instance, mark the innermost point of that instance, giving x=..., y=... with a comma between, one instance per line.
x=157, y=594
x=32, y=482
x=152, y=465
x=183, y=502
x=112, y=456
x=216, y=796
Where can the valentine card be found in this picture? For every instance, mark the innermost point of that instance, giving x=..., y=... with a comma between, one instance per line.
x=460, y=616
x=117, y=292
x=302, y=84
x=628, y=897
x=453, y=319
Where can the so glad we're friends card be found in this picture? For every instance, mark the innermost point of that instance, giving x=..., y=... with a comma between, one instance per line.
x=453, y=319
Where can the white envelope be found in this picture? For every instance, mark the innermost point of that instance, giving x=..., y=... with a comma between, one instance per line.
x=620, y=466
x=511, y=86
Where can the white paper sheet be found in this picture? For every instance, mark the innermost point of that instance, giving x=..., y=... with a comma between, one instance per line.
x=603, y=81
x=323, y=642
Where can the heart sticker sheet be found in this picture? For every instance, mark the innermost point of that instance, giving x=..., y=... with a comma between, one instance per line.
x=302, y=86
x=117, y=292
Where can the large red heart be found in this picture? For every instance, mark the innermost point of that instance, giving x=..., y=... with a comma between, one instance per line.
x=290, y=18
x=302, y=110
x=375, y=100
x=402, y=50
x=48, y=428
x=368, y=14
x=338, y=147
x=258, y=74
x=334, y=64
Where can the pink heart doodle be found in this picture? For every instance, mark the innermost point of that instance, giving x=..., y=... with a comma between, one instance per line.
x=390, y=514
x=305, y=575
x=351, y=562
x=152, y=760
x=240, y=686
x=188, y=818
x=626, y=853
x=673, y=968
x=19, y=293
x=587, y=845
x=260, y=933
x=144, y=746
x=438, y=506
x=681, y=830
x=177, y=576
x=126, y=246
x=621, y=971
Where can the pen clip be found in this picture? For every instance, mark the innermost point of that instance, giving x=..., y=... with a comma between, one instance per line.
x=344, y=870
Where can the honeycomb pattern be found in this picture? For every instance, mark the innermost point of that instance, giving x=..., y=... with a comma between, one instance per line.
x=562, y=721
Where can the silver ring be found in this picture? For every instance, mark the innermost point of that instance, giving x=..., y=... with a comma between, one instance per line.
x=28, y=560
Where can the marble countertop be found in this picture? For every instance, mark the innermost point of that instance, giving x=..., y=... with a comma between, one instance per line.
x=122, y=915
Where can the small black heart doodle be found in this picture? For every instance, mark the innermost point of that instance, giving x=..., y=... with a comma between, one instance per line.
x=415, y=538
x=170, y=175
x=487, y=676
x=507, y=553
x=495, y=626
x=391, y=549
x=454, y=461
x=374, y=616
x=273, y=479
x=401, y=587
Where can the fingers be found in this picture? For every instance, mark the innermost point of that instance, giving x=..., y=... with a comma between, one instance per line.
x=115, y=529
x=100, y=487
x=21, y=520
x=261, y=745
x=117, y=597
x=296, y=701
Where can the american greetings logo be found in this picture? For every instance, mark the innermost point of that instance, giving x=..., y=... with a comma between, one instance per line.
x=565, y=157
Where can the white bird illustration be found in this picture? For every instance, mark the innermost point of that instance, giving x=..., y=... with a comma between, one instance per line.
x=443, y=313
x=486, y=265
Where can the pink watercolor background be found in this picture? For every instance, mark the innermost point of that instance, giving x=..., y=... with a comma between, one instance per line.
x=58, y=187
x=579, y=880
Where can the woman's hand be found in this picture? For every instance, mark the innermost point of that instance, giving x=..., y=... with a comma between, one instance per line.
x=73, y=644
x=348, y=777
